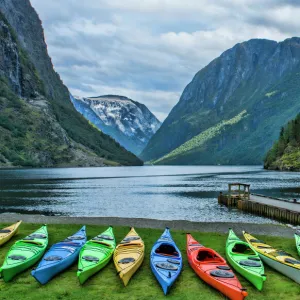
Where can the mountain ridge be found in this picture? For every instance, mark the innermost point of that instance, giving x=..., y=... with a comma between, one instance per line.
x=127, y=121
x=260, y=76
x=34, y=100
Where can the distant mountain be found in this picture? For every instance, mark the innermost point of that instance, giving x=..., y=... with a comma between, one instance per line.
x=285, y=153
x=232, y=111
x=129, y=122
x=39, y=127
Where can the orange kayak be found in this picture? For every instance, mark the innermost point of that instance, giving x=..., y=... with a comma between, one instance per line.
x=213, y=269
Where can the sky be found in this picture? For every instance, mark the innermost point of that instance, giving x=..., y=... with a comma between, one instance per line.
x=149, y=50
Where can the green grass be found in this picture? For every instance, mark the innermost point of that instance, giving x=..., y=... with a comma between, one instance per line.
x=107, y=285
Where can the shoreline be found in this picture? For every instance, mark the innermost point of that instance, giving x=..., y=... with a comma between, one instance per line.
x=280, y=230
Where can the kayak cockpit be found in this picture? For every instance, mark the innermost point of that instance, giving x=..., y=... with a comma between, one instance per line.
x=167, y=250
x=209, y=257
x=242, y=248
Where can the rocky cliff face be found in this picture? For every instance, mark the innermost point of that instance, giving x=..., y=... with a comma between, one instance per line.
x=260, y=77
x=38, y=124
x=129, y=122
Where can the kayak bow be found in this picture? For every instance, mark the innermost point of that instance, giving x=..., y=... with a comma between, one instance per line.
x=279, y=260
x=165, y=261
x=129, y=255
x=245, y=260
x=96, y=254
x=213, y=269
x=59, y=257
x=8, y=232
x=24, y=254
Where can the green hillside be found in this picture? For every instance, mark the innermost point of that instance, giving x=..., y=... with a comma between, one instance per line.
x=285, y=153
x=261, y=77
x=39, y=127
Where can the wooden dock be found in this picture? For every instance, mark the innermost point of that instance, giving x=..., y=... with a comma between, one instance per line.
x=287, y=211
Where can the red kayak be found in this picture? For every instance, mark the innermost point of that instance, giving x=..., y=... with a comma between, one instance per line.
x=213, y=269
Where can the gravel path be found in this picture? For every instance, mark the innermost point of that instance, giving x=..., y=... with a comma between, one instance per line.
x=262, y=229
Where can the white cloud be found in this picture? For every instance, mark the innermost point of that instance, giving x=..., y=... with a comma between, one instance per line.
x=150, y=49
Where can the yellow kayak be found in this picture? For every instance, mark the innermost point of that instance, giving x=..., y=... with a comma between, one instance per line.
x=129, y=255
x=279, y=260
x=8, y=232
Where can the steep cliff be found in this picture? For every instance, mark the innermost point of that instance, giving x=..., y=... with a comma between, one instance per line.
x=38, y=124
x=129, y=122
x=260, y=77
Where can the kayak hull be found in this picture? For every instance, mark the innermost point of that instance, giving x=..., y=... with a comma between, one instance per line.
x=213, y=269
x=166, y=261
x=95, y=255
x=279, y=260
x=60, y=256
x=292, y=273
x=238, y=253
x=8, y=232
x=24, y=254
x=131, y=248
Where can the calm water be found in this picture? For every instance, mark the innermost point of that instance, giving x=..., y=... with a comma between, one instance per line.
x=157, y=192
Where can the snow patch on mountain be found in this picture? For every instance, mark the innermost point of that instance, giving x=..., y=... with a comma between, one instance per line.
x=127, y=121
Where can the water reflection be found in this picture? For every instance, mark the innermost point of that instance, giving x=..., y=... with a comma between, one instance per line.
x=166, y=192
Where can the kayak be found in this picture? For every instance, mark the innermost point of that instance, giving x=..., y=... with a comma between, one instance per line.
x=297, y=238
x=59, y=257
x=24, y=254
x=245, y=260
x=8, y=232
x=129, y=255
x=96, y=254
x=211, y=267
x=279, y=260
x=165, y=261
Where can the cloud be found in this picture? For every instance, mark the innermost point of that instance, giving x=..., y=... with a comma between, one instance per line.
x=149, y=50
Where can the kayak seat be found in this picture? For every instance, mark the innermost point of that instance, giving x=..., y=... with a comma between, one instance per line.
x=242, y=249
x=292, y=261
x=32, y=242
x=17, y=257
x=222, y=274
x=167, y=250
x=207, y=256
x=166, y=266
x=126, y=260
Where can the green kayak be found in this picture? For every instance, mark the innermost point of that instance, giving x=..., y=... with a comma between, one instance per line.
x=245, y=260
x=24, y=254
x=297, y=238
x=95, y=254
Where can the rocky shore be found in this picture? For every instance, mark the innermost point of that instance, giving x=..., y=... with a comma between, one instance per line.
x=219, y=227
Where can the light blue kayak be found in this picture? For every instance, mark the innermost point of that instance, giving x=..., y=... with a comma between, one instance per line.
x=166, y=261
x=60, y=257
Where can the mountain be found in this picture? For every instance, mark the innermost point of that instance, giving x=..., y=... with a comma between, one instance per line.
x=38, y=124
x=129, y=122
x=233, y=109
x=285, y=153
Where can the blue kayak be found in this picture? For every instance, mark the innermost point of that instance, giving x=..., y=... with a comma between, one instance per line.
x=59, y=257
x=166, y=261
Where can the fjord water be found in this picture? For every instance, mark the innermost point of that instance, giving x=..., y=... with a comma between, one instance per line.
x=155, y=192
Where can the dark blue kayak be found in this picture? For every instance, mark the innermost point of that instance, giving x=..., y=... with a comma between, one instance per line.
x=59, y=257
x=166, y=261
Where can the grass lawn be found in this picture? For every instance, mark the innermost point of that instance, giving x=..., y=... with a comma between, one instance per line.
x=143, y=285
